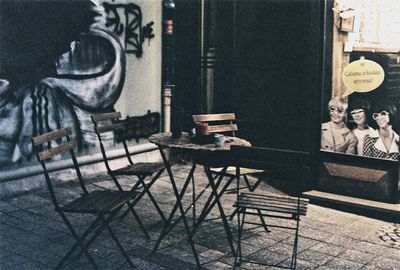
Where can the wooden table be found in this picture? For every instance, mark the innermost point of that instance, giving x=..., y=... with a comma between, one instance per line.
x=206, y=155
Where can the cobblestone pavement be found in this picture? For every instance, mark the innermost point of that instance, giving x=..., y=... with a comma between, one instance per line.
x=33, y=236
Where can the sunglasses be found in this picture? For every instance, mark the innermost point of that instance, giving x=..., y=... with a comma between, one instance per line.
x=338, y=110
x=383, y=113
x=356, y=112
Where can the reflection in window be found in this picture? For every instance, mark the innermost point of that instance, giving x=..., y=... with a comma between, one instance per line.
x=366, y=122
x=376, y=24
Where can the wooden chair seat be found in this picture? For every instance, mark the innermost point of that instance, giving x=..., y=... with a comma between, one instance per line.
x=292, y=169
x=111, y=121
x=231, y=171
x=140, y=168
x=104, y=205
x=273, y=203
x=99, y=201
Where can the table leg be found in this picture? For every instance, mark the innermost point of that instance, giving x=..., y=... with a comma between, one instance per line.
x=179, y=196
x=209, y=203
x=221, y=209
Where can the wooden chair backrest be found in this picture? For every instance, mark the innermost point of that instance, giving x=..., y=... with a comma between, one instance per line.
x=47, y=152
x=290, y=165
x=109, y=126
x=218, y=123
x=50, y=145
x=106, y=122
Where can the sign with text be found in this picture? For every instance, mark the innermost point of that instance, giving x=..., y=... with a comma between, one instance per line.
x=362, y=76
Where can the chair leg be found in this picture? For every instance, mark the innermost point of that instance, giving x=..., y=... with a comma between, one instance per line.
x=139, y=221
x=169, y=225
x=210, y=204
x=147, y=191
x=296, y=238
x=254, y=186
x=131, y=205
x=233, y=214
x=117, y=242
x=263, y=221
x=105, y=222
x=79, y=241
x=240, y=224
x=193, y=202
x=221, y=209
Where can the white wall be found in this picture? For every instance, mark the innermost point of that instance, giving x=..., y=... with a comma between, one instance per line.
x=142, y=88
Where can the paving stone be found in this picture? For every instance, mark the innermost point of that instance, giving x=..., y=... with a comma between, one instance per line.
x=4, y=253
x=385, y=263
x=211, y=255
x=371, y=267
x=13, y=260
x=328, y=249
x=28, y=201
x=343, y=264
x=300, y=264
x=329, y=239
x=217, y=265
x=314, y=257
x=7, y=207
x=357, y=256
x=254, y=266
x=266, y=256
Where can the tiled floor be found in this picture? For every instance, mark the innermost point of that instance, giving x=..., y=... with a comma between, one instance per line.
x=33, y=236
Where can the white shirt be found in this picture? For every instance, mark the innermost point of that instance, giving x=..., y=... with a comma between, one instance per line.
x=360, y=134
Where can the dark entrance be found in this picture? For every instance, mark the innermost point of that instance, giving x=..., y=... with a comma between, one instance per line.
x=260, y=59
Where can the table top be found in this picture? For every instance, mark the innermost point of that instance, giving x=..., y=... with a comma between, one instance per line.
x=184, y=142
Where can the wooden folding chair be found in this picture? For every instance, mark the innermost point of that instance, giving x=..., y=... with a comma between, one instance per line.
x=107, y=122
x=283, y=165
x=103, y=204
x=225, y=123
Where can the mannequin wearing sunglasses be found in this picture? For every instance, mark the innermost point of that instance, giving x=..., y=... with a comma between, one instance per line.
x=383, y=142
x=359, y=110
x=335, y=136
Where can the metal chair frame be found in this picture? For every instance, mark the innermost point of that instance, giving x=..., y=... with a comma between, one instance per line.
x=108, y=122
x=290, y=165
x=103, y=204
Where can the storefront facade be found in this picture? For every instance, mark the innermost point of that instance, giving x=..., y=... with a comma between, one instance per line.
x=277, y=64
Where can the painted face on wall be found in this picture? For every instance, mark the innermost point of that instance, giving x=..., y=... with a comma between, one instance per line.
x=382, y=119
x=336, y=114
x=359, y=116
x=80, y=72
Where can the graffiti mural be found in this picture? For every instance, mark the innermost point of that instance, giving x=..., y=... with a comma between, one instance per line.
x=59, y=64
x=130, y=29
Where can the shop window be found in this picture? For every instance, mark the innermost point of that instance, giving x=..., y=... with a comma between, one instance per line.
x=361, y=111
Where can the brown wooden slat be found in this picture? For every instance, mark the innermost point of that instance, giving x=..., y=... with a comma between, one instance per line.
x=140, y=169
x=113, y=201
x=213, y=117
x=111, y=127
x=99, y=201
x=106, y=116
x=222, y=128
x=84, y=202
x=59, y=133
x=292, y=211
x=273, y=205
x=270, y=196
x=271, y=201
x=274, y=201
x=49, y=153
x=273, y=208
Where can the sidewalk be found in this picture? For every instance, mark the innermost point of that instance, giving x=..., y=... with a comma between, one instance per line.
x=33, y=236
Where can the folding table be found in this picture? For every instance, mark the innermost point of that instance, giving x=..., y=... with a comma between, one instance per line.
x=206, y=155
